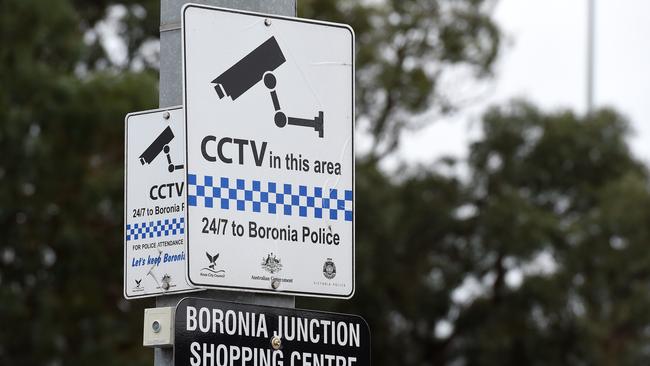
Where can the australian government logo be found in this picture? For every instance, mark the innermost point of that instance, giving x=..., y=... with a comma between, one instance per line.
x=329, y=269
x=211, y=270
x=271, y=264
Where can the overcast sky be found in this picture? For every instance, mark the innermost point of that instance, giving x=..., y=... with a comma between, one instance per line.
x=543, y=61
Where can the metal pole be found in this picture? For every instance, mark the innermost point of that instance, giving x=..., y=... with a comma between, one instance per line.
x=591, y=9
x=170, y=94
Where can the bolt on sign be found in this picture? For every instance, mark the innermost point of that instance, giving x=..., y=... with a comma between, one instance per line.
x=217, y=333
x=269, y=108
x=154, y=203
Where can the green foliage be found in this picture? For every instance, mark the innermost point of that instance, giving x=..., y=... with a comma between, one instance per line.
x=404, y=49
x=61, y=173
x=547, y=239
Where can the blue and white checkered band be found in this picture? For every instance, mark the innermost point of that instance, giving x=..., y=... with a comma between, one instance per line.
x=269, y=197
x=155, y=229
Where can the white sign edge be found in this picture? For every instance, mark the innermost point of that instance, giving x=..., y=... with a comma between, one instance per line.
x=126, y=139
x=183, y=75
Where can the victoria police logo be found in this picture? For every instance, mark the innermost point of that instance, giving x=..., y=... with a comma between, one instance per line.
x=329, y=269
x=271, y=264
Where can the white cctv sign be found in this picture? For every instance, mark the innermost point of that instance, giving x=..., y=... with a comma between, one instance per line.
x=269, y=108
x=154, y=207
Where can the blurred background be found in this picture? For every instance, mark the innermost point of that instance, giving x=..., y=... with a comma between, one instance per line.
x=500, y=220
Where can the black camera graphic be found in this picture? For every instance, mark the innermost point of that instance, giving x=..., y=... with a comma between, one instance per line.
x=160, y=144
x=259, y=65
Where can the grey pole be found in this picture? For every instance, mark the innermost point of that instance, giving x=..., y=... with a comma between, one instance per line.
x=591, y=9
x=171, y=89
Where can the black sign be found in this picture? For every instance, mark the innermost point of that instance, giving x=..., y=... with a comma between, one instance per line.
x=218, y=333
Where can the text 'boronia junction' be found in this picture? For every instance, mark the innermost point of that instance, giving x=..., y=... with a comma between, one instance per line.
x=251, y=324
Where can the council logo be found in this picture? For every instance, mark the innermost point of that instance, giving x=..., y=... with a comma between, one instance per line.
x=211, y=270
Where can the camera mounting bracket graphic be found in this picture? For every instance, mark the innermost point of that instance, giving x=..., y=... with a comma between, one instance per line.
x=160, y=144
x=259, y=65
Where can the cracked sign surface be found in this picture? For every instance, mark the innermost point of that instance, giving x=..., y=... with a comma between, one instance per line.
x=269, y=109
x=154, y=207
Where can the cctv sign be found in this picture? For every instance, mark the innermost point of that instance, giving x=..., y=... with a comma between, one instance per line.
x=154, y=207
x=269, y=110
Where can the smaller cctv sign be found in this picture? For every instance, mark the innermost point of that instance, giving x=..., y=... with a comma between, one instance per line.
x=219, y=333
x=154, y=207
x=269, y=111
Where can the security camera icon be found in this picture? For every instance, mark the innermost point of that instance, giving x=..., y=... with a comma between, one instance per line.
x=160, y=144
x=256, y=66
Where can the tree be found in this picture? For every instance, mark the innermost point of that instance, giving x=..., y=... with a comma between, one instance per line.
x=405, y=51
x=61, y=168
x=538, y=259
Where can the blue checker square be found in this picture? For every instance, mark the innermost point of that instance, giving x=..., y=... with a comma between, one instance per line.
x=288, y=195
x=150, y=229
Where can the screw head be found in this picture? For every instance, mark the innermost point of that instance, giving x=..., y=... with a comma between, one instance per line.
x=275, y=284
x=276, y=342
x=155, y=326
x=166, y=115
x=267, y=22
